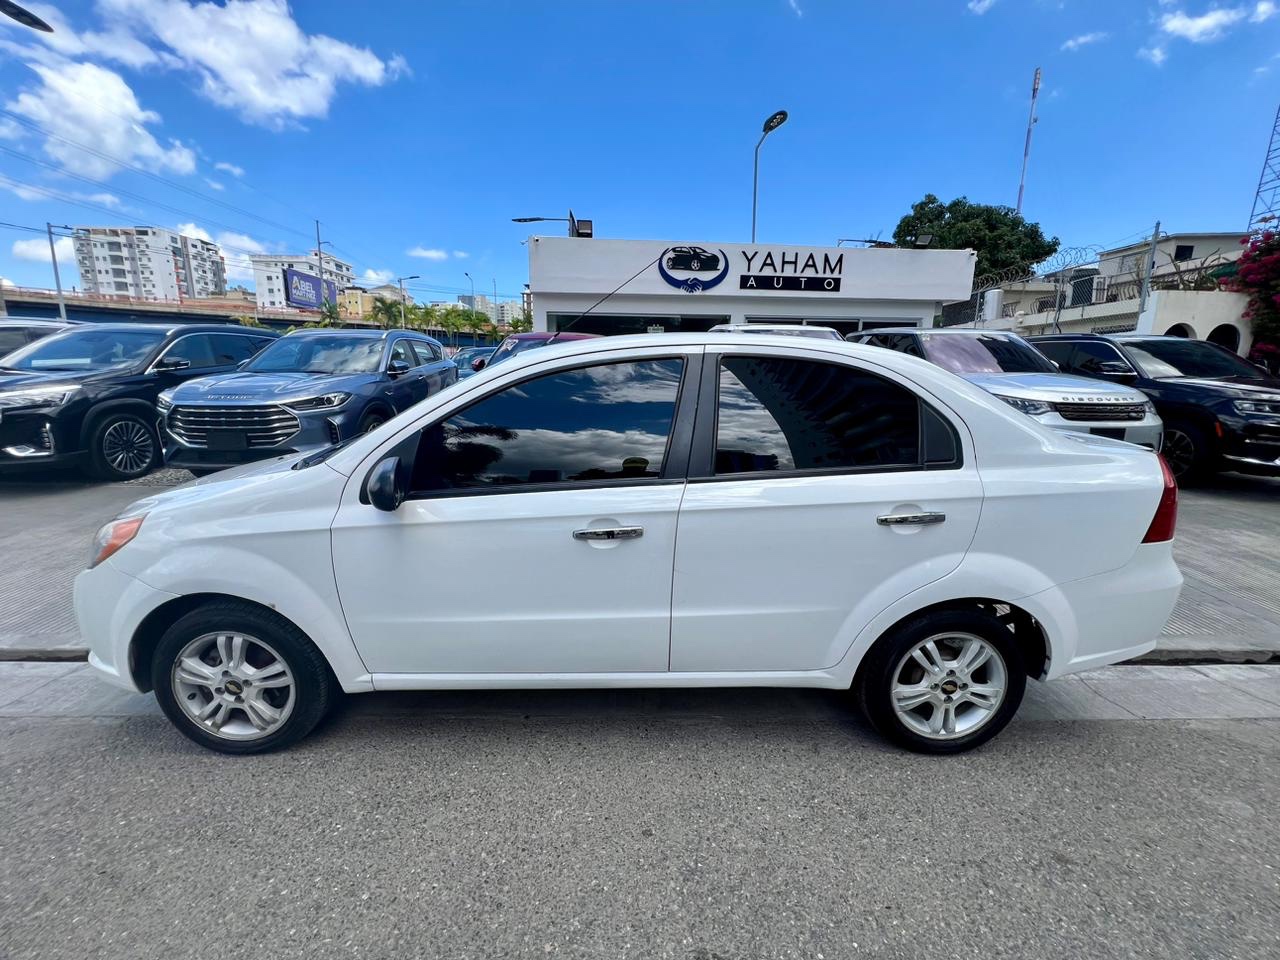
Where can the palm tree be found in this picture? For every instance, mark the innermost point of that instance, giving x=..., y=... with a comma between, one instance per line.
x=329, y=316
x=385, y=313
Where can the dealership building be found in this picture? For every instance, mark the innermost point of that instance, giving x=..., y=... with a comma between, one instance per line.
x=659, y=286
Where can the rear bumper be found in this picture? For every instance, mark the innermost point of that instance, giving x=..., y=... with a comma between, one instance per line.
x=1112, y=617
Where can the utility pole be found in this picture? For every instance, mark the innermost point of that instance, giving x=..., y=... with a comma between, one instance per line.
x=1148, y=266
x=1026, y=150
x=320, y=258
x=57, y=277
x=495, y=301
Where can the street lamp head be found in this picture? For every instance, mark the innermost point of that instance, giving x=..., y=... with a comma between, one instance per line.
x=775, y=121
x=23, y=16
x=527, y=219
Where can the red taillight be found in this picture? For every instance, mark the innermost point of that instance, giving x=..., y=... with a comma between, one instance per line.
x=1166, y=517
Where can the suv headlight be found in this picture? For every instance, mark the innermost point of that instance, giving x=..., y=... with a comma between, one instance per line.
x=1258, y=406
x=38, y=396
x=1032, y=408
x=164, y=403
x=1149, y=408
x=326, y=401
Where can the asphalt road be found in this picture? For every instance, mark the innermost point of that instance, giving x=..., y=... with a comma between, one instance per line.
x=694, y=825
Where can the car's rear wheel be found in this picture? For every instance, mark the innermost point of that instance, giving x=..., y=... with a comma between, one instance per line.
x=122, y=446
x=238, y=679
x=944, y=682
x=1186, y=450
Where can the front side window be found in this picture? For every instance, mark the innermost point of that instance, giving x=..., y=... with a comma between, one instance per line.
x=778, y=414
x=1090, y=356
x=592, y=424
x=1059, y=351
x=402, y=350
x=229, y=348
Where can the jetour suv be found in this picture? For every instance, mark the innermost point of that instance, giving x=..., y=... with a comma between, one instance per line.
x=1010, y=368
x=685, y=511
x=308, y=390
x=87, y=396
x=1220, y=411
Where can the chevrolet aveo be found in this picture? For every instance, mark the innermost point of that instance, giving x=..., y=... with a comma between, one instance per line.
x=675, y=511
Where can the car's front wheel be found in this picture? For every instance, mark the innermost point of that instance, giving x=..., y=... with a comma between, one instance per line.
x=239, y=679
x=1186, y=450
x=371, y=421
x=122, y=446
x=943, y=682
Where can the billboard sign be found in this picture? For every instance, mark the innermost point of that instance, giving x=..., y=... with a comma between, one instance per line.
x=307, y=291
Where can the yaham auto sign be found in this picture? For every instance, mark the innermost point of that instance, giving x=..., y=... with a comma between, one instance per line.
x=307, y=291
x=787, y=272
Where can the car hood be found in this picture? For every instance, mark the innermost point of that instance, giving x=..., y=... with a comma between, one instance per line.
x=245, y=386
x=1054, y=388
x=1236, y=388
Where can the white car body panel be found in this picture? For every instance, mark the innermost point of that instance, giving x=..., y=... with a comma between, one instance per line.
x=774, y=581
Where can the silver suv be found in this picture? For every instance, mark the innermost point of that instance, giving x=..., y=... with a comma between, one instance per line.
x=1009, y=367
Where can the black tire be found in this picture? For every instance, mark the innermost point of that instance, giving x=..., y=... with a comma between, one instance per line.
x=123, y=445
x=314, y=688
x=372, y=420
x=875, y=681
x=1187, y=451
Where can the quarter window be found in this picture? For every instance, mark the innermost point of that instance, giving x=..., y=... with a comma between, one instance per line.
x=595, y=424
x=777, y=415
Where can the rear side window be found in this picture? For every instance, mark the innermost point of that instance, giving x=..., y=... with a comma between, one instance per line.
x=593, y=424
x=778, y=415
x=12, y=339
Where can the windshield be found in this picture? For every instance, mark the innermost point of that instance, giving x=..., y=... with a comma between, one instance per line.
x=333, y=355
x=86, y=350
x=1175, y=357
x=984, y=354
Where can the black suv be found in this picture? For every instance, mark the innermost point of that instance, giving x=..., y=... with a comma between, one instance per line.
x=1220, y=412
x=87, y=396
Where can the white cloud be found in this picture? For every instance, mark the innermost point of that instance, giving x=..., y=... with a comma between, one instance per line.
x=36, y=250
x=1083, y=40
x=460, y=254
x=1262, y=11
x=105, y=199
x=214, y=184
x=795, y=7
x=6, y=282
x=115, y=43
x=67, y=103
x=981, y=6
x=379, y=276
x=230, y=168
x=236, y=248
x=1155, y=55
x=426, y=254
x=252, y=57
x=1205, y=28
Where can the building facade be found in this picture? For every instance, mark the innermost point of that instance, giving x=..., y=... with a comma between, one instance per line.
x=355, y=303
x=657, y=286
x=148, y=263
x=269, y=268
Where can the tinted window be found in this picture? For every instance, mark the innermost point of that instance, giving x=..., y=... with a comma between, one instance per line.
x=86, y=349
x=229, y=348
x=606, y=422
x=1059, y=351
x=776, y=414
x=984, y=353
x=196, y=349
x=11, y=339
x=426, y=352
x=1175, y=357
x=400, y=350
x=1090, y=355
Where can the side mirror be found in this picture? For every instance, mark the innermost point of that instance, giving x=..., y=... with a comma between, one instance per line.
x=385, y=486
x=172, y=363
x=397, y=368
x=1116, y=370
x=478, y=364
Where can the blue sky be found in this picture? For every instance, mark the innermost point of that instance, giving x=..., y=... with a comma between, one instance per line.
x=423, y=127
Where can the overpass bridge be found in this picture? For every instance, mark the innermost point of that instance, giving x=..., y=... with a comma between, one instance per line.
x=100, y=308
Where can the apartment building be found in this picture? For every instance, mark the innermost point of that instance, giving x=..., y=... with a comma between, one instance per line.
x=148, y=263
x=269, y=268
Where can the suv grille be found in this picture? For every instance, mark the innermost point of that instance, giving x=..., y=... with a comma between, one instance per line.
x=1100, y=412
x=263, y=426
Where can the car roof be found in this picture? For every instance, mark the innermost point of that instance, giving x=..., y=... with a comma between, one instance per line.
x=172, y=328
x=35, y=322
x=949, y=331
x=364, y=333
x=547, y=335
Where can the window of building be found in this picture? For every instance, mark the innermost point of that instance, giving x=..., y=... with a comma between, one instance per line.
x=602, y=423
x=1183, y=251
x=781, y=415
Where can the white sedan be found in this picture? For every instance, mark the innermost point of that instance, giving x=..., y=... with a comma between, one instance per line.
x=674, y=511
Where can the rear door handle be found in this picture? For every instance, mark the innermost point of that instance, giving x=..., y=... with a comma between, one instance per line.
x=898, y=519
x=609, y=533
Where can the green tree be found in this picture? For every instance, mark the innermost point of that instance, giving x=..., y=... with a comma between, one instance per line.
x=385, y=313
x=474, y=322
x=1002, y=238
x=451, y=321
x=329, y=316
x=247, y=320
x=522, y=323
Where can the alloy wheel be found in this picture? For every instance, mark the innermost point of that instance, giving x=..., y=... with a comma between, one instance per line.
x=1179, y=451
x=949, y=685
x=233, y=685
x=127, y=446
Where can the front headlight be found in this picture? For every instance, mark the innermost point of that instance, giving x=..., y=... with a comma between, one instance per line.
x=164, y=402
x=1258, y=406
x=325, y=401
x=1149, y=408
x=112, y=537
x=38, y=396
x=1032, y=408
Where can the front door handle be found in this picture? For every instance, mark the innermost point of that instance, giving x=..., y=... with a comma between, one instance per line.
x=609, y=533
x=897, y=519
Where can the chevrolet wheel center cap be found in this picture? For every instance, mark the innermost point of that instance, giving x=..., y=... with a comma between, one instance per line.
x=235, y=688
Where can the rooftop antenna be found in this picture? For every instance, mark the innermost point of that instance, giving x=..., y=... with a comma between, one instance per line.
x=1026, y=150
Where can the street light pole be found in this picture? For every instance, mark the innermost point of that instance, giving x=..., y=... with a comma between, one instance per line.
x=57, y=277
x=773, y=123
x=495, y=301
x=401, y=280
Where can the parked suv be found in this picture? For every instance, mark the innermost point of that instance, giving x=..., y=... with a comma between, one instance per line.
x=17, y=332
x=1007, y=366
x=1220, y=411
x=308, y=390
x=87, y=396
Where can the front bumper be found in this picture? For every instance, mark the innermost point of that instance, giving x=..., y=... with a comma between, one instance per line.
x=1251, y=445
x=110, y=605
x=317, y=429
x=35, y=437
x=1148, y=432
